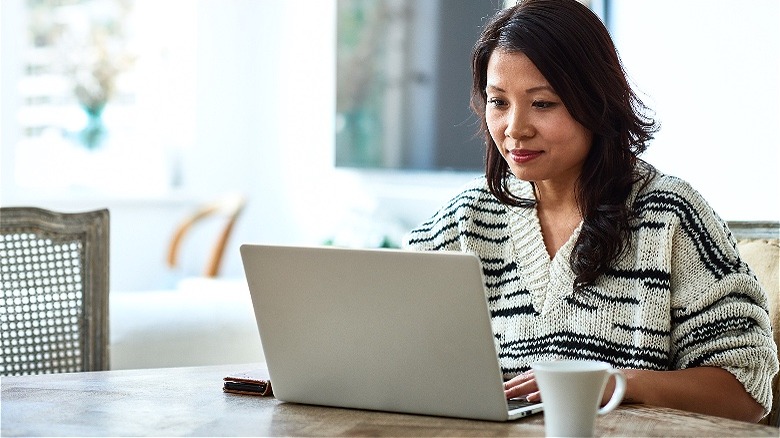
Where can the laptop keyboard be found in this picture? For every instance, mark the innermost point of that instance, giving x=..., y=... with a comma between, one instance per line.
x=515, y=403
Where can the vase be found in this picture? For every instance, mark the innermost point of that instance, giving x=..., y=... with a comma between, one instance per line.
x=94, y=132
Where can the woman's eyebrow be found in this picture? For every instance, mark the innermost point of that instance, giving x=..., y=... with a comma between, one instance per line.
x=543, y=87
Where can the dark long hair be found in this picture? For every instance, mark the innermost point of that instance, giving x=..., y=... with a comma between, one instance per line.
x=573, y=50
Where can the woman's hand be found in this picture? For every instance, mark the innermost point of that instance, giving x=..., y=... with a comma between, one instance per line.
x=522, y=386
x=707, y=390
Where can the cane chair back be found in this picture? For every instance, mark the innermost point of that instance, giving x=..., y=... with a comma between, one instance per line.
x=53, y=291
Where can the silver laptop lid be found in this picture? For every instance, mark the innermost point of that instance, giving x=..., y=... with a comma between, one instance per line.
x=377, y=329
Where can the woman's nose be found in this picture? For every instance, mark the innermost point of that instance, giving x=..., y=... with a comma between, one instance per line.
x=518, y=126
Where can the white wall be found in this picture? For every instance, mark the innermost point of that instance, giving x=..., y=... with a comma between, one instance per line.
x=711, y=70
x=265, y=120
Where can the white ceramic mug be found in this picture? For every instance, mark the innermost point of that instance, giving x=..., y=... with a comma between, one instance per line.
x=571, y=393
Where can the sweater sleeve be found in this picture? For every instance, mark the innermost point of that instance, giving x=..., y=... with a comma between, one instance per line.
x=719, y=310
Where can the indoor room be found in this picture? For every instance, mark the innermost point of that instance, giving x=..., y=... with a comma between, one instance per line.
x=203, y=125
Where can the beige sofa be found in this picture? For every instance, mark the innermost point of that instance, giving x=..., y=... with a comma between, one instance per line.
x=203, y=321
x=759, y=247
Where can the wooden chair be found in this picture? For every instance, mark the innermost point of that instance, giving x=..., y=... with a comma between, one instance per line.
x=54, y=270
x=228, y=207
x=759, y=246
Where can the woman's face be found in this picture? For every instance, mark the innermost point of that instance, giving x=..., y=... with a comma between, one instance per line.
x=531, y=127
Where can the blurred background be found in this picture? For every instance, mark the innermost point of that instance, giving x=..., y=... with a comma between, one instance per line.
x=341, y=122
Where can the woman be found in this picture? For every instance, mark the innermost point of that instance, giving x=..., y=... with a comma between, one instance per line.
x=587, y=251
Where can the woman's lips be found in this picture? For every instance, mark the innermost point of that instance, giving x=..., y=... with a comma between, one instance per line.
x=522, y=156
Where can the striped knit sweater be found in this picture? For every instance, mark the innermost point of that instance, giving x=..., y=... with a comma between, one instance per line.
x=679, y=297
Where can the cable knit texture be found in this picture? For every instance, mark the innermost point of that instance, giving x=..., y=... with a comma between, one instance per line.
x=679, y=297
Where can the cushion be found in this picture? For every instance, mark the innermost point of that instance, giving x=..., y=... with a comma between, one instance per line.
x=763, y=257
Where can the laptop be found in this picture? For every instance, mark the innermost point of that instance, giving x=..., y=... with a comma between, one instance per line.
x=378, y=329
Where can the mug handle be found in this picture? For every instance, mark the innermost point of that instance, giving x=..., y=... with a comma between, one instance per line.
x=617, y=394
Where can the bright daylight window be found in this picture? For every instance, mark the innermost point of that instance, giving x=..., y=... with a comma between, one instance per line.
x=106, y=95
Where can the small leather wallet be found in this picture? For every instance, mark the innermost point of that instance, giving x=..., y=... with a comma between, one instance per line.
x=252, y=382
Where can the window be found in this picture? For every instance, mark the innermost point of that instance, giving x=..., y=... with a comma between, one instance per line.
x=104, y=97
x=403, y=83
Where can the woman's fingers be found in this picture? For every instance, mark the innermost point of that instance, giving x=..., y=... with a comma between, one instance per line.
x=522, y=385
x=535, y=397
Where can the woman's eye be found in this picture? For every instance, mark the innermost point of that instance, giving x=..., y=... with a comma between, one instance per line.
x=542, y=104
x=495, y=101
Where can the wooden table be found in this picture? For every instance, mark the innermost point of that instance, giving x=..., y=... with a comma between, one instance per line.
x=190, y=402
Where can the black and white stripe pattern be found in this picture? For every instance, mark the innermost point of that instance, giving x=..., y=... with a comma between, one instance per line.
x=679, y=296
